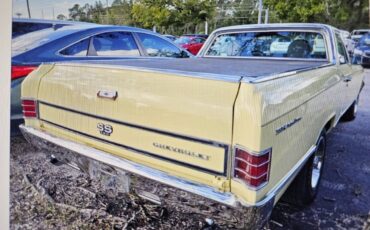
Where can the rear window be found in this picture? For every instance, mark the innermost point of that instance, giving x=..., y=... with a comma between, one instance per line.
x=20, y=28
x=294, y=44
x=31, y=40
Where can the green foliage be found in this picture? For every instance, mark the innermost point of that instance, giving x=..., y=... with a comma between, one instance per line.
x=342, y=14
x=297, y=10
x=171, y=15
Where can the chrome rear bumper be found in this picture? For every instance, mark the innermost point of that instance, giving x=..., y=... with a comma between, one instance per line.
x=151, y=184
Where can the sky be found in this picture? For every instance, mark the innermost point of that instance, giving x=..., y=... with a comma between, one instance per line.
x=44, y=8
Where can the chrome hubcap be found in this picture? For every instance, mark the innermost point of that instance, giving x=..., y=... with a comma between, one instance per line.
x=317, y=164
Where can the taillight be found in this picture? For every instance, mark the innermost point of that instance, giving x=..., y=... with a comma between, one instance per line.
x=21, y=71
x=253, y=169
x=29, y=108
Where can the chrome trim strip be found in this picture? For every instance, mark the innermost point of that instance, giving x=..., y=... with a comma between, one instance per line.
x=282, y=75
x=139, y=151
x=131, y=125
x=206, y=76
x=253, y=177
x=253, y=165
x=251, y=152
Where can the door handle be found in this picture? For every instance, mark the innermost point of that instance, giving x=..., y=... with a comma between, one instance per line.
x=347, y=79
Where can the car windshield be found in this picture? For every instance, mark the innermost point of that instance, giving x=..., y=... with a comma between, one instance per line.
x=294, y=44
x=182, y=40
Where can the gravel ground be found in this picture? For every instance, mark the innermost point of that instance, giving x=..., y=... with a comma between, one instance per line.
x=44, y=196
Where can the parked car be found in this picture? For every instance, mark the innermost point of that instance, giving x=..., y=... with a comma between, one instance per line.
x=232, y=133
x=22, y=26
x=357, y=34
x=81, y=42
x=361, y=53
x=190, y=43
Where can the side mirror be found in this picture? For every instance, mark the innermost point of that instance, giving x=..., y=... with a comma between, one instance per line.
x=342, y=59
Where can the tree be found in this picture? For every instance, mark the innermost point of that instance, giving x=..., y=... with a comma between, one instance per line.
x=297, y=10
x=120, y=12
x=152, y=13
x=342, y=14
x=347, y=15
x=76, y=13
x=61, y=17
x=173, y=16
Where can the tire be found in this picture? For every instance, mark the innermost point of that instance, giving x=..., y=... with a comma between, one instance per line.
x=351, y=113
x=304, y=188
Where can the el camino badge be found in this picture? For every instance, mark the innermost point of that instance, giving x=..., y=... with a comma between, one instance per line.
x=288, y=125
x=105, y=129
x=108, y=94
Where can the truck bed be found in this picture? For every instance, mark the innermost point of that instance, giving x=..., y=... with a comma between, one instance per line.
x=252, y=68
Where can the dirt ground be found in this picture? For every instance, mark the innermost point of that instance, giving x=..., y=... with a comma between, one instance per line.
x=45, y=196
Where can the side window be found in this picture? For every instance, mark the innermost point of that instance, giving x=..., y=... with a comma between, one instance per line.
x=341, y=48
x=79, y=49
x=115, y=44
x=158, y=47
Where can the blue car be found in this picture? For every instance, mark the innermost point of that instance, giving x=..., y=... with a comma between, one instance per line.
x=361, y=52
x=81, y=42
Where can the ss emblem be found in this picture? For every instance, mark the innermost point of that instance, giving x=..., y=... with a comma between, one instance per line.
x=104, y=129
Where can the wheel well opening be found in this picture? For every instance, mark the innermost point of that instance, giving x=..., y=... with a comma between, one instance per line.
x=329, y=124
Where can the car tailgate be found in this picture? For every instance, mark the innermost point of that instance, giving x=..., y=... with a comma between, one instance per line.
x=175, y=123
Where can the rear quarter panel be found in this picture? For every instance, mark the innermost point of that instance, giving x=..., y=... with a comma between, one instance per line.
x=313, y=96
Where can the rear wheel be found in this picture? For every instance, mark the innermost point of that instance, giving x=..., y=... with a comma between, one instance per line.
x=351, y=113
x=303, y=189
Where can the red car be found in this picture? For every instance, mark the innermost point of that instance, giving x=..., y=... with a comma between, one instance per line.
x=191, y=43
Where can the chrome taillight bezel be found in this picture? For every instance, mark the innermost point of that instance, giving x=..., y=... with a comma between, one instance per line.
x=252, y=153
x=25, y=103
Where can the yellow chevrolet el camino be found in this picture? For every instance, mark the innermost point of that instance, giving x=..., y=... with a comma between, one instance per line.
x=233, y=129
